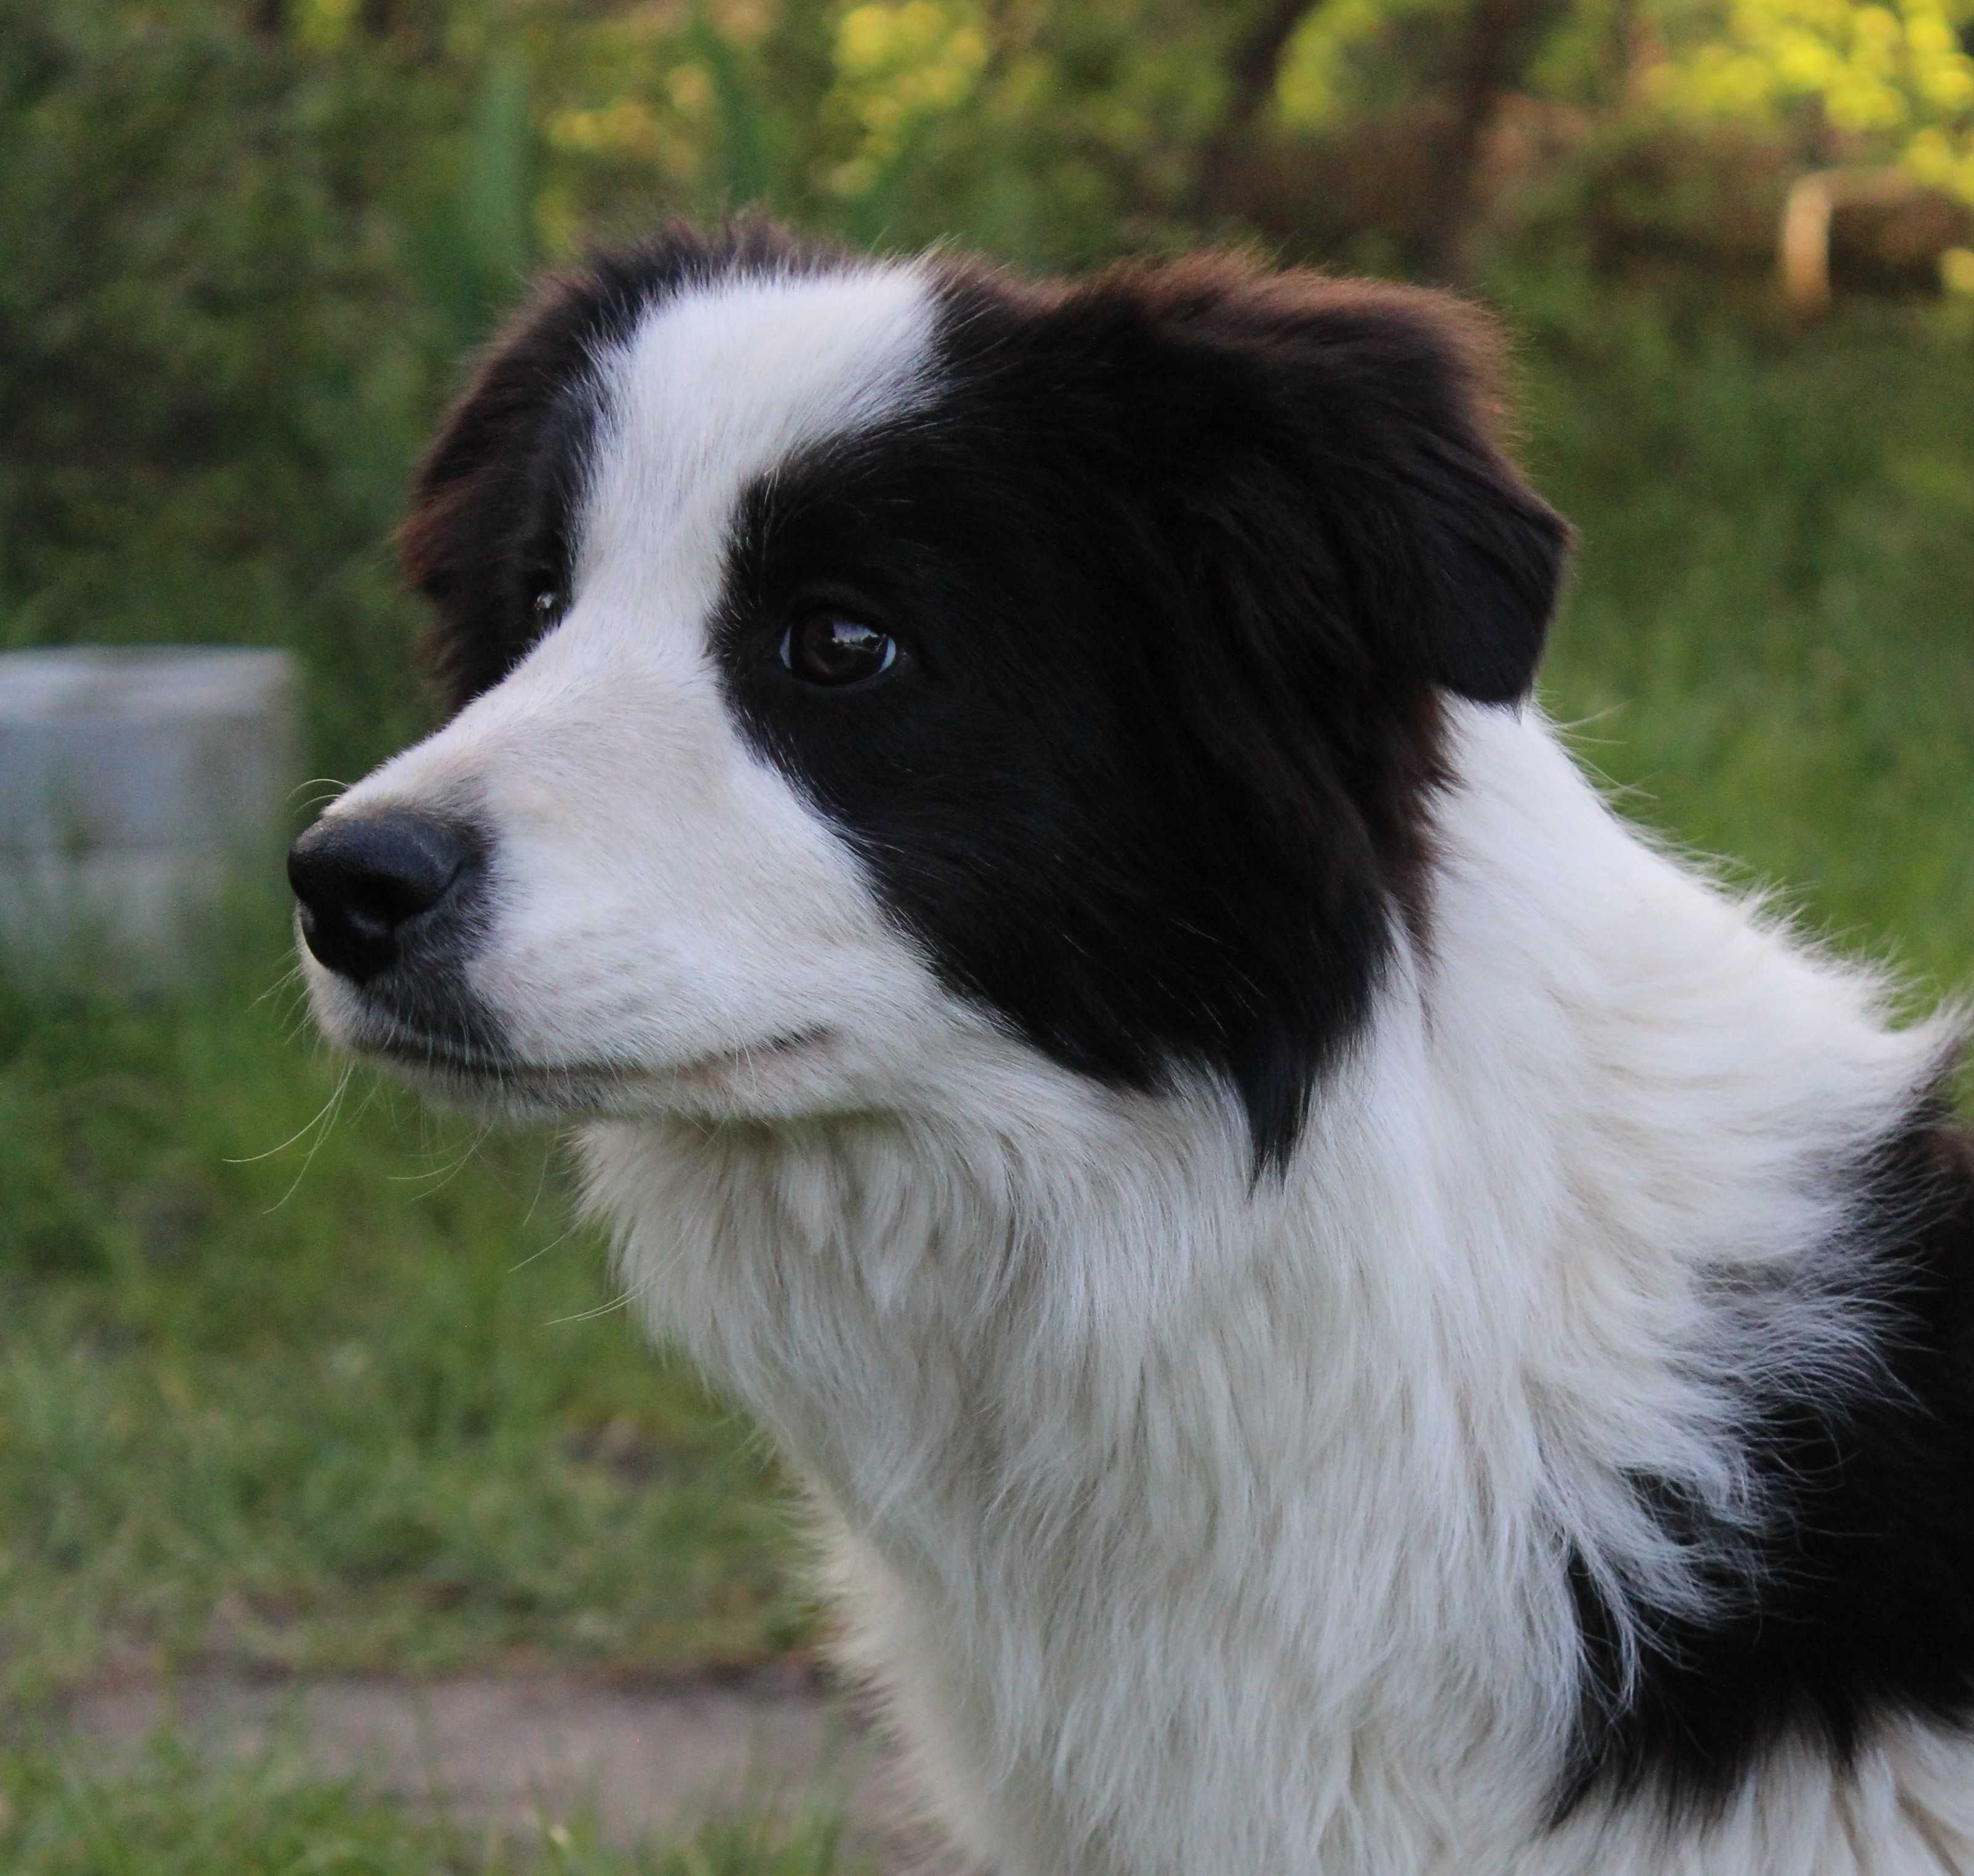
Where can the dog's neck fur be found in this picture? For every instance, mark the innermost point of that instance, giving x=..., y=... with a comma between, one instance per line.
x=1144, y=1475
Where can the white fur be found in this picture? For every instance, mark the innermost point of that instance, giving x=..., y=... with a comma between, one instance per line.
x=1190, y=1527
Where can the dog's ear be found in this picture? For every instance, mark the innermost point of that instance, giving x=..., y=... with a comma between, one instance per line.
x=1355, y=429
x=488, y=529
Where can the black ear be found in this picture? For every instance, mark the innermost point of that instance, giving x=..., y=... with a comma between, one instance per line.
x=1368, y=412
x=489, y=526
x=1463, y=560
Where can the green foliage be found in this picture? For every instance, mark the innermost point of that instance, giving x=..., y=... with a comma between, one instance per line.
x=244, y=265
x=1052, y=134
x=1844, y=81
x=743, y=127
x=472, y=243
x=210, y=376
x=1893, y=81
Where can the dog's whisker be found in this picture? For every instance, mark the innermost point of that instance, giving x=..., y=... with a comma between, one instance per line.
x=322, y=1114
x=328, y=1121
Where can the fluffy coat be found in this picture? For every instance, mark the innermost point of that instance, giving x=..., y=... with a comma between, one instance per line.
x=1341, y=1311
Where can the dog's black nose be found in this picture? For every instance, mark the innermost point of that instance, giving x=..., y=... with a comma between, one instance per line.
x=362, y=879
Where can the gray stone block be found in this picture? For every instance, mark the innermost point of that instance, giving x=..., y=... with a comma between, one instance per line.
x=130, y=781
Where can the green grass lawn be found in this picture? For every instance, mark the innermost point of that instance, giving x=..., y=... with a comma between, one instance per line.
x=1770, y=640
x=300, y=1385
x=315, y=1381
x=170, y=1816
x=294, y=1381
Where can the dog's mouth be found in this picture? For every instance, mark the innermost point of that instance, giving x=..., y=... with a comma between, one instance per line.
x=472, y=1070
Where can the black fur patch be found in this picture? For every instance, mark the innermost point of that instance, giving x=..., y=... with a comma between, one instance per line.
x=1858, y=1607
x=1182, y=562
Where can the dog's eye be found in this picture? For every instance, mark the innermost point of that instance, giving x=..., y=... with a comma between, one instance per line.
x=548, y=604
x=826, y=648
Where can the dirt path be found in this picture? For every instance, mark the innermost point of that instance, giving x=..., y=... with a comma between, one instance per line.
x=526, y=1751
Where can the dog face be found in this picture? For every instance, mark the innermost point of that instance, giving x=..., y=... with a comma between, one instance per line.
x=850, y=662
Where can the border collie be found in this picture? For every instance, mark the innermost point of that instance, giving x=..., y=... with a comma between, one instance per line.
x=1342, y=1311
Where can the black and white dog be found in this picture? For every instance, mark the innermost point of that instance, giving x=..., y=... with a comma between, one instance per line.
x=1344, y=1312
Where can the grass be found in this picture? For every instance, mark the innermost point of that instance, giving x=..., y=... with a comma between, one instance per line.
x=1770, y=644
x=169, y=1813
x=312, y=1381
x=300, y=1383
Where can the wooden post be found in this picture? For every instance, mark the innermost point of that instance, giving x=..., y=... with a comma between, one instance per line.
x=1802, y=245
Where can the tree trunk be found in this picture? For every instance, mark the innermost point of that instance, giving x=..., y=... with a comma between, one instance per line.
x=1500, y=38
x=1252, y=71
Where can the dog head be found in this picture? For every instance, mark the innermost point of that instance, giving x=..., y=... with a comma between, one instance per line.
x=847, y=658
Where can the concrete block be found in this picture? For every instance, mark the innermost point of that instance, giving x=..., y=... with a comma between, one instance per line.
x=131, y=781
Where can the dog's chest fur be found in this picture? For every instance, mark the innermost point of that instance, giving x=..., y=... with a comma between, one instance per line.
x=1188, y=1522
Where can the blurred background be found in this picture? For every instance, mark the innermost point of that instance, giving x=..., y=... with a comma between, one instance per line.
x=300, y=1389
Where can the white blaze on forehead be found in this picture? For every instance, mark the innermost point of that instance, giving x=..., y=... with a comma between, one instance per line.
x=715, y=388
x=724, y=383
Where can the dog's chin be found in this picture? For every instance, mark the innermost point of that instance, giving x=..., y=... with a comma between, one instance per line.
x=518, y=1092
x=757, y=1081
